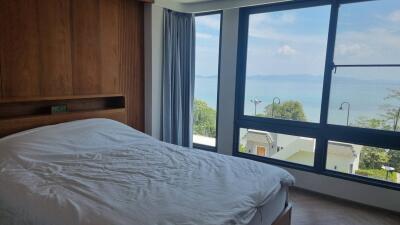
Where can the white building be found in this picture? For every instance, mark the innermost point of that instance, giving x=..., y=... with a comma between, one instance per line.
x=342, y=157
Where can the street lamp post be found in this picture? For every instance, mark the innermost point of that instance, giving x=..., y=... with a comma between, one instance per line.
x=396, y=119
x=255, y=101
x=273, y=105
x=348, y=110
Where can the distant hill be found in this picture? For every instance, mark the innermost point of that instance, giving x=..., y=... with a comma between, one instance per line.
x=299, y=77
x=309, y=78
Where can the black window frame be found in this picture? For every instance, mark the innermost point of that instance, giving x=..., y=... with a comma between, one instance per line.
x=201, y=146
x=323, y=132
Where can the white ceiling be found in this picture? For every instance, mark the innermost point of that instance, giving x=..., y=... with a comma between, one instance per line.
x=196, y=6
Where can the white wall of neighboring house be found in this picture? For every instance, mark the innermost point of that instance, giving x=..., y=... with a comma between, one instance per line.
x=255, y=139
x=203, y=140
x=296, y=146
x=341, y=156
x=350, y=190
x=301, y=150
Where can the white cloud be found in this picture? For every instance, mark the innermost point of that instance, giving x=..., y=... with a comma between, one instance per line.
x=356, y=43
x=265, y=33
x=394, y=16
x=271, y=34
x=204, y=35
x=268, y=19
x=208, y=21
x=265, y=59
x=257, y=19
x=374, y=45
x=288, y=18
x=349, y=49
x=265, y=26
x=262, y=25
x=274, y=43
x=286, y=50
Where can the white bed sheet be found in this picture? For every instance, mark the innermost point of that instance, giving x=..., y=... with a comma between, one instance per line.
x=100, y=171
x=270, y=211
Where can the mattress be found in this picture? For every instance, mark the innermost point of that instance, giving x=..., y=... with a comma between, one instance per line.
x=265, y=215
x=100, y=171
x=269, y=212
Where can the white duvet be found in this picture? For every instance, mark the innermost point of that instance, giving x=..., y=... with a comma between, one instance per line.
x=100, y=171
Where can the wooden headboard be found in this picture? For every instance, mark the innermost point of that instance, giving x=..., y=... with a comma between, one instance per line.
x=18, y=114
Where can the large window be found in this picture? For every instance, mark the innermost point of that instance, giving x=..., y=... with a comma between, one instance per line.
x=319, y=88
x=206, y=80
x=365, y=88
x=285, y=63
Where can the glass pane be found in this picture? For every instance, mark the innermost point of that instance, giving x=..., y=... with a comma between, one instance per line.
x=365, y=97
x=368, y=33
x=277, y=146
x=285, y=63
x=206, y=79
x=361, y=160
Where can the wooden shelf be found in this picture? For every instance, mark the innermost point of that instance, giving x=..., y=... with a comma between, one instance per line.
x=24, y=107
x=18, y=114
x=56, y=98
x=17, y=124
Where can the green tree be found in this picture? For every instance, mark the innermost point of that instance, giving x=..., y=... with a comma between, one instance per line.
x=394, y=159
x=373, y=158
x=243, y=149
x=204, y=118
x=391, y=118
x=290, y=110
x=392, y=114
x=366, y=122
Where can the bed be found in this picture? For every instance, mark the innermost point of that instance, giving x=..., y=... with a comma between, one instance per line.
x=100, y=171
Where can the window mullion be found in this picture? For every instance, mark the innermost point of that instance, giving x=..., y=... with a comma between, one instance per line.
x=322, y=141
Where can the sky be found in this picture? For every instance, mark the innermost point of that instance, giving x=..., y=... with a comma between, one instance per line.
x=293, y=42
x=207, y=44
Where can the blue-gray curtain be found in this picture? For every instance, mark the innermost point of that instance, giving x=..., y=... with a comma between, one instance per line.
x=178, y=77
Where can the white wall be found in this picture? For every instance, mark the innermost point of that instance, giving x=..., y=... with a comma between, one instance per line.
x=366, y=194
x=153, y=65
x=227, y=80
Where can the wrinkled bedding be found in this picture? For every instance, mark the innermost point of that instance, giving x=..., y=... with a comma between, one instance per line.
x=98, y=171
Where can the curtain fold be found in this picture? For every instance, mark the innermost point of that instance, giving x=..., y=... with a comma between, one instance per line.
x=178, y=77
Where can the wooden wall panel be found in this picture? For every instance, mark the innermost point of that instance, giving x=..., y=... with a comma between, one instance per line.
x=109, y=42
x=73, y=47
x=132, y=82
x=1, y=53
x=85, y=46
x=55, y=46
x=19, y=40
